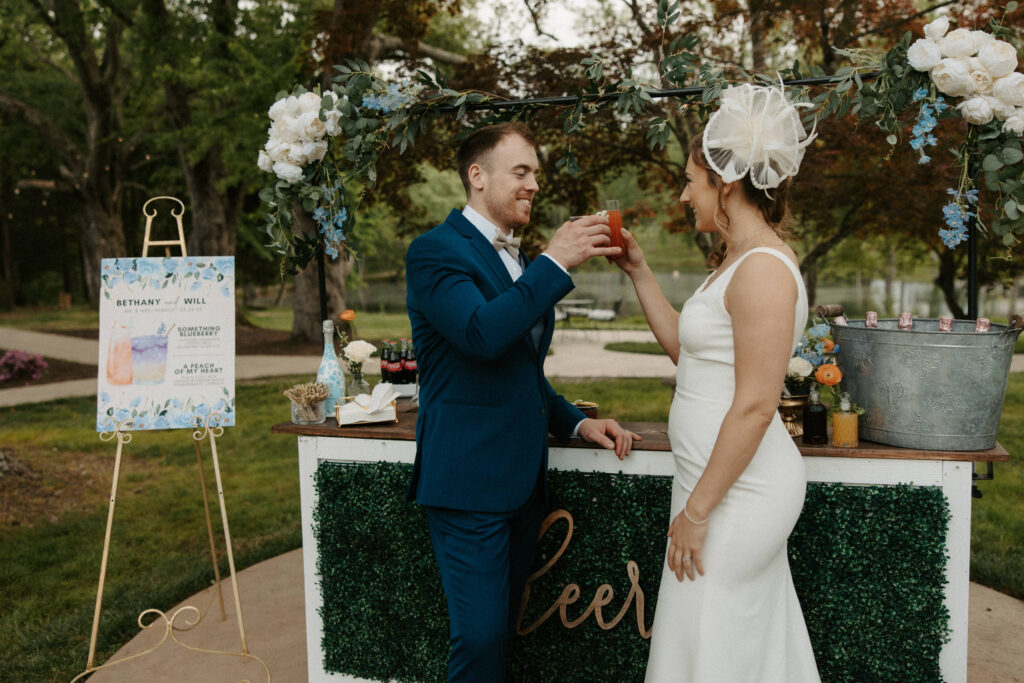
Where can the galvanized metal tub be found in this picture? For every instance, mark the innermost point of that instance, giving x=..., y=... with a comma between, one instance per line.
x=926, y=389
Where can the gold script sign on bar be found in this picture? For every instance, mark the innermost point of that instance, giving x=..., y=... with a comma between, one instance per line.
x=571, y=593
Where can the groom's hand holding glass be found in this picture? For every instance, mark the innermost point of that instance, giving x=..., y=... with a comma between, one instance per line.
x=580, y=240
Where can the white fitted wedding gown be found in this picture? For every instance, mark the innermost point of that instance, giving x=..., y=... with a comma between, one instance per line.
x=741, y=621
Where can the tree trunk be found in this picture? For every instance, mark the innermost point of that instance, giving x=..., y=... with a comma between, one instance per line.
x=306, y=321
x=810, y=272
x=102, y=237
x=7, y=278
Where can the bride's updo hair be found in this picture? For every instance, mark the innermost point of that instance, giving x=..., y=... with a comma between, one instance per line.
x=773, y=204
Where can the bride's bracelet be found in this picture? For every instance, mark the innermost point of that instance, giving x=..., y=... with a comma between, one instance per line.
x=692, y=520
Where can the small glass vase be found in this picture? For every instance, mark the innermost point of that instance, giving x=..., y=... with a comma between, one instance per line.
x=303, y=414
x=358, y=386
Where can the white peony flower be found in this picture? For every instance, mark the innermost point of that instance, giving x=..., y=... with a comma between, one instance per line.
x=309, y=101
x=264, y=162
x=998, y=57
x=981, y=39
x=952, y=77
x=295, y=154
x=288, y=172
x=1010, y=89
x=277, y=149
x=937, y=28
x=359, y=351
x=957, y=43
x=312, y=127
x=1000, y=109
x=799, y=367
x=332, y=124
x=975, y=110
x=979, y=80
x=278, y=109
x=924, y=54
x=1015, y=124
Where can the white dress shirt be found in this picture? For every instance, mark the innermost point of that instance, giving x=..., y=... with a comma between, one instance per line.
x=489, y=230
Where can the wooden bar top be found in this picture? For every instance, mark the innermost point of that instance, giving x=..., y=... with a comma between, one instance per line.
x=655, y=436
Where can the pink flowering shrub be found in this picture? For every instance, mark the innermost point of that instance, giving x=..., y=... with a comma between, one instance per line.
x=21, y=365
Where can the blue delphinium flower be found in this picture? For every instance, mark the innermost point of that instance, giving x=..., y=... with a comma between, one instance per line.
x=956, y=216
x=922, y=131
x=320, y=215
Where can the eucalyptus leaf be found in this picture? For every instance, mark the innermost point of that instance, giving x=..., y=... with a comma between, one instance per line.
x=1011, y=155
x=991, y=163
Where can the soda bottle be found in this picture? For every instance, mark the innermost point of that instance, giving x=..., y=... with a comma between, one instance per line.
x=385, y=376
x=394, y=365
x=411, y=366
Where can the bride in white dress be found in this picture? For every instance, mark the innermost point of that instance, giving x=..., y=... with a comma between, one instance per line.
x=727, y=611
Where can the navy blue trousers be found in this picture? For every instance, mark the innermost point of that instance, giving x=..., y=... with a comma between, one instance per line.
x=485, y=559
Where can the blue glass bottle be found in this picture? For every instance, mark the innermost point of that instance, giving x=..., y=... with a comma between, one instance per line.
x=330, y=373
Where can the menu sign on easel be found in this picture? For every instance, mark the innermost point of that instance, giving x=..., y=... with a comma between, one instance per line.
x=167, y=342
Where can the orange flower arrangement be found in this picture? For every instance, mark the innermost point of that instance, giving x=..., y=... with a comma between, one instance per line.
x=828, y=374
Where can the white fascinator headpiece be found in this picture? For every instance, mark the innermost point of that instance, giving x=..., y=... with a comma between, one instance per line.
x=756, y=130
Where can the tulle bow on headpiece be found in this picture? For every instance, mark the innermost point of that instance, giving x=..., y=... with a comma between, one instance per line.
x=758, y=131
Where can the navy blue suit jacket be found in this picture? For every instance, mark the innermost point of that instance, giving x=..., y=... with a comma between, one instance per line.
x=485, y=407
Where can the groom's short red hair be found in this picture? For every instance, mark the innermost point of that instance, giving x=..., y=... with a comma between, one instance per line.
x=483, y=140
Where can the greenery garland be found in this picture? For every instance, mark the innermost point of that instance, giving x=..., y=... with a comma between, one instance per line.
x=868, y=563
x=367, y=116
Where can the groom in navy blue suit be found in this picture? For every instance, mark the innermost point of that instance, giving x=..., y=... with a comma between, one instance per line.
x=482, y=318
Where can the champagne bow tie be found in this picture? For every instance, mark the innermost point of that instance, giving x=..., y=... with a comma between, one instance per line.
x=510, y=244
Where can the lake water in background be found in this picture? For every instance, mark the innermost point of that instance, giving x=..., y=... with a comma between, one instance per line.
x=613, y=290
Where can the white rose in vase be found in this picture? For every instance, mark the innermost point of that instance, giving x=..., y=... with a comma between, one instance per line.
x=937, y=28
x=1015, y=123
x=924, y=54
x=952, y=77
x=1010, y=89
x=957, y=43
x=358, y=351
x=998, y=57
x=975, y=110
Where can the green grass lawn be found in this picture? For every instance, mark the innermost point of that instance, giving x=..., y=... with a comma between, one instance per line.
x=653, y=348
x=159, y=553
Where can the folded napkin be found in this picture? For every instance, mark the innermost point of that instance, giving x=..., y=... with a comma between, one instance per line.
x=376, y=407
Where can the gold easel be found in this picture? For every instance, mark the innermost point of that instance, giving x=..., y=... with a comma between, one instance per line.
x=203, y=428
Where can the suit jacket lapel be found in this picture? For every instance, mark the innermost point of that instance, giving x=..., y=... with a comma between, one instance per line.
x=488, y=254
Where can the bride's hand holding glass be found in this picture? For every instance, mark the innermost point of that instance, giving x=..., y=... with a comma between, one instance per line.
x=632, y=257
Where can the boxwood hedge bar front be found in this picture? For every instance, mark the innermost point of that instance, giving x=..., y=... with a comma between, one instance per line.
x=880, y=558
